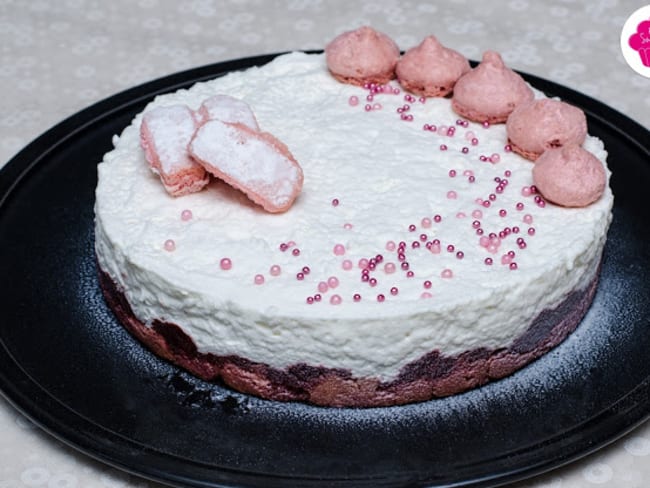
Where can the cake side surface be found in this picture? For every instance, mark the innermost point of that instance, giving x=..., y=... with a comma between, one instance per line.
x=372, y=181
x=433, y=375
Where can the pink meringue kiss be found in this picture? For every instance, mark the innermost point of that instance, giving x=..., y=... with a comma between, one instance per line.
x=569, y=176
x=490, y=92
x=430, y=69
x=362, y=56
x=538, y=125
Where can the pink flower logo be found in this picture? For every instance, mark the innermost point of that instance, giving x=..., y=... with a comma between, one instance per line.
x=640, y=41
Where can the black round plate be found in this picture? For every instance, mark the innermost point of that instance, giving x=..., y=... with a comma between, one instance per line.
x=67, y=364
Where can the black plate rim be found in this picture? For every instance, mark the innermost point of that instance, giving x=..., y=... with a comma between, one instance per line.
x=28, y=397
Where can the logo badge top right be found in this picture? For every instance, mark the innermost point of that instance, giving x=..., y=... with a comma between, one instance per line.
x=635, y=41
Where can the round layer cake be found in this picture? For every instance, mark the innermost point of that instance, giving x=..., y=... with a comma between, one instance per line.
x=418, y=261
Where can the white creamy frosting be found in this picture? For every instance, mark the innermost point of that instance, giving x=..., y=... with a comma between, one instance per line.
x=386, y=174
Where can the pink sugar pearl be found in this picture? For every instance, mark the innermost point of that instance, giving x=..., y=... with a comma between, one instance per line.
x=347, y=265
x=226, y=264
x=186, y=215
x=389, y=268
x=323, y=287
x=275, y=270
x=336, y=299
x=259, y=279
x=339, y=250
x=170, y=245
x=447, y=273
x=332, y=282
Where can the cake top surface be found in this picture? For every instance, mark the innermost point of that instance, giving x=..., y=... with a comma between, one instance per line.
x=373, y=178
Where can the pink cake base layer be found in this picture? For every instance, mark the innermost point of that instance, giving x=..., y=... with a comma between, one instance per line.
x=433, y=375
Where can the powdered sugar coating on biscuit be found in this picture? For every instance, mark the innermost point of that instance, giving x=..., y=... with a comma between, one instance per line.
x=227, y=109
x=253, y=162
x=165, y=133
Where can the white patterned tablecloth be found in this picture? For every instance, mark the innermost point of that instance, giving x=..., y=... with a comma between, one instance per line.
x=56, y=57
